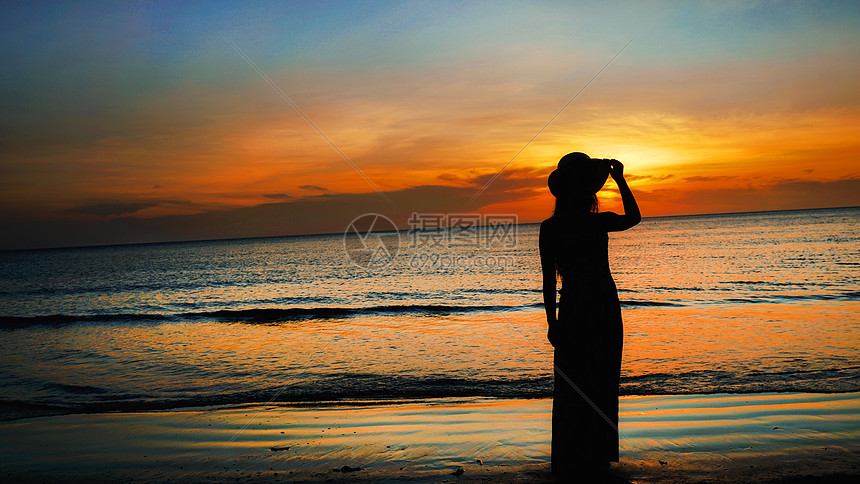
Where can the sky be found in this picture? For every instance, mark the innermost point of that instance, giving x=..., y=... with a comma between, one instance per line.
x=127, y=122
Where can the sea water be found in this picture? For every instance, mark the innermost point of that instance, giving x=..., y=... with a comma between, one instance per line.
x=754, y=302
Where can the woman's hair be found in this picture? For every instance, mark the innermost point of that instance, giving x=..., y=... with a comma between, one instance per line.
x=574, y=205
x=569, y=206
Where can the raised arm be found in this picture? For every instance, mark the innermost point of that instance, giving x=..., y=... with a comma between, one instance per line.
x=547, y=263
x=631, y=217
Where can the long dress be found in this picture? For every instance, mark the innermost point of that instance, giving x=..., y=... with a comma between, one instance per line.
x=588, y=349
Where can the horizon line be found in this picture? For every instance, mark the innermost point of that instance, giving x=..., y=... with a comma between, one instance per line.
x=320, y=234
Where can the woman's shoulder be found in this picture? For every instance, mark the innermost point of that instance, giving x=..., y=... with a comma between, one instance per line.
x=549, y=228
x=584, y=223
x=550, y=223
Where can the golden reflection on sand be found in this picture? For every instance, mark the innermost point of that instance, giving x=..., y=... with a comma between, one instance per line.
x=692, y=434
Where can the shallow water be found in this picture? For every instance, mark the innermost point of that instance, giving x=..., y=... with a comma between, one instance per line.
x=715, y=438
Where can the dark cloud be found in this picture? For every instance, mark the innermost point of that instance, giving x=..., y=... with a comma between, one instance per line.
x=780, y=195
x=111, y=209
x=325, y=213
x=313, y=188
x=510, y=180
x=276, y=195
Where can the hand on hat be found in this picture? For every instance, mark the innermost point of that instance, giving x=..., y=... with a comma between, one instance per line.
x=616, y=169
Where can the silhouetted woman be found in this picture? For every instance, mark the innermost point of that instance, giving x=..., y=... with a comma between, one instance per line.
x=587, y=333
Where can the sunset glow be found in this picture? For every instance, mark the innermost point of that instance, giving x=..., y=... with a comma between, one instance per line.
x=142, y=118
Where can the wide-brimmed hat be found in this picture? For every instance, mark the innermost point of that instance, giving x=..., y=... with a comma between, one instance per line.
x=578, y=171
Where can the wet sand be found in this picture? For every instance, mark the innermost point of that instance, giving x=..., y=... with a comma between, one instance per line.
x=773, y=437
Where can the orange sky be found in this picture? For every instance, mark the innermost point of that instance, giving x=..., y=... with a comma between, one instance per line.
x=712, y=108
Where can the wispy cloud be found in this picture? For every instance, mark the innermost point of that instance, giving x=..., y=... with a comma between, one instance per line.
x=709, y=178
x=110, y=209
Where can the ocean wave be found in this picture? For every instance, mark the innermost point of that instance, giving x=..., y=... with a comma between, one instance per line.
x=285, y=314
x=634, y=303
x=76, y=389
x=347, y=388
x=775, y=298
x=679, y=289
x=767, y=283
x=344, y=388
x=61, y=319
x=262, y=315
x=292, y=314
x=161, y=286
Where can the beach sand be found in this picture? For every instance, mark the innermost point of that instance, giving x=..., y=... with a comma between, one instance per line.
x=772, y=437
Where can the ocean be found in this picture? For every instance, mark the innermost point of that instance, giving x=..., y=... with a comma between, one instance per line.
x=739, y=303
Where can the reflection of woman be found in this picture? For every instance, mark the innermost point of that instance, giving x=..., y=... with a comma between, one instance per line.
x=587, y=334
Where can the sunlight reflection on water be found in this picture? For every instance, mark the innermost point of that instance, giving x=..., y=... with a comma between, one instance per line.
x=751, y=302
